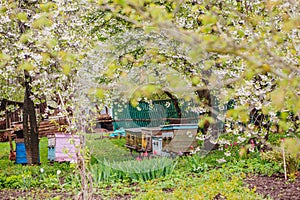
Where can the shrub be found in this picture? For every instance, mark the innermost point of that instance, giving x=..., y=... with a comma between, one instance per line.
x=291, y=148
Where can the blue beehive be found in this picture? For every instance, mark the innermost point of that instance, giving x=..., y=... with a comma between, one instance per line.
x=51, y=154
x=21, y=153
x=51, y=148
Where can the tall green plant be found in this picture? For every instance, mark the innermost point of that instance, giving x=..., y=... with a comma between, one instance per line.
x=287, y=155
x=134, y=170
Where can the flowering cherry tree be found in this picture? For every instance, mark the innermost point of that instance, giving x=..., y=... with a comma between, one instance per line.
x=41, y=46
x=233, y=50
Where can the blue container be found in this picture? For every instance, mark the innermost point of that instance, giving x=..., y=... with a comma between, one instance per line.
x=21, y=153
x=51, y=154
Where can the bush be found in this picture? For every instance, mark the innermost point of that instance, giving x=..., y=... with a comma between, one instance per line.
x=291, y=148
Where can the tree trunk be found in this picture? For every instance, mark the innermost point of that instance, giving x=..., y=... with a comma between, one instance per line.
x=216, y=126
x=7, y=116
x=176, y=103
x=30, y=129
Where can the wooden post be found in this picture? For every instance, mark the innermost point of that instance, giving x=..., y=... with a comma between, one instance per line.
x=12, y=155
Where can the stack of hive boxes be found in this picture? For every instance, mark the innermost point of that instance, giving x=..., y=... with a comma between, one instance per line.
x=63, y=147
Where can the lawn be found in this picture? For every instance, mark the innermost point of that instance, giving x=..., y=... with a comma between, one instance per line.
x=108, y=149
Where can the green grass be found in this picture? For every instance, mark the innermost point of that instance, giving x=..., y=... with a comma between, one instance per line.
x=4, y=153
x=109, y=149
x=5, y=149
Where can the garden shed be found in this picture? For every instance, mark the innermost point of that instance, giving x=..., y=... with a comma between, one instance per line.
x=152, y=114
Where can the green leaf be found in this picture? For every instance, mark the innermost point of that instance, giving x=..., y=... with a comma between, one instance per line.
x=120, y=2
x=134, y=102
x=277, y=97
x=100, y=93
x=3, y=9
x=196, y=80
x=51, y=43
x=28, y=66
x=24, y=38
x=205, y=121
x=46, y=7
x=22, y=16
x=240, y=33
x=41, y=22
x=208, y=19
x=149, y=29
x=66, y=69
x=292, y=24
x=45, y=58
x=4, y=58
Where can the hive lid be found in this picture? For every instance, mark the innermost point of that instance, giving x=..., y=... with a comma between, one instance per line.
x=178, y=126
x=65, y=135
x=135, y=130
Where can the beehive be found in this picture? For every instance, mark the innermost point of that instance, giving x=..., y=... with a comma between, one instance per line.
x=147, y=134
x=157, y=145
x=183, y=140
x=63, y=147
x=51, y=148
x=133, y=138
x=21, y=151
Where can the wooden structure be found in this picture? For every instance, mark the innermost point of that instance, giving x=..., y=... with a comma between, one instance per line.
x=14, y=119
x=20, y=152
x=52, y=125
x=153, y=114
x=104, y=119
x=14, y=115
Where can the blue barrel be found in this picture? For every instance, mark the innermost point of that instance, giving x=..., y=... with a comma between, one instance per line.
x=21, y=153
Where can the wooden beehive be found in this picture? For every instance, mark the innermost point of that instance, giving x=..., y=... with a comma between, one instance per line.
x=51, y=148
x=51, y=140
x=167, y=134
x=132, y=138
x=157, y=145
x=147, y=134
x=138, y=139
x=21, y=151
x=183, y=140
x=63, y=147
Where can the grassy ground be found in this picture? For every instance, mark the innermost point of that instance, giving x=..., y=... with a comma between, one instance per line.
x=5, y=149
x=108, y=149
x=191, y=179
